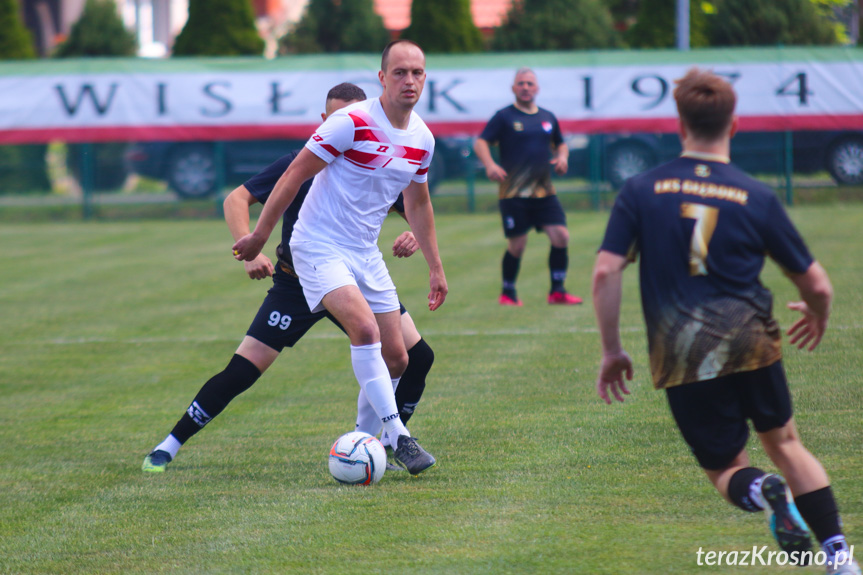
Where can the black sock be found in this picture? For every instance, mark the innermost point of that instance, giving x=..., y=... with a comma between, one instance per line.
x=413, y=381
x=510, y=273
x=820, y=512
x=215, y=395
x=558, y=263
x=738, y=488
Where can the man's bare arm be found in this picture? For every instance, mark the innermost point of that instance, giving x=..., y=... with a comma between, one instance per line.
x=236, y=209
x=607, y=290
x=305, y=166
x=420, y=215
x=560, y=161
x=482, y=150
x=816, y=291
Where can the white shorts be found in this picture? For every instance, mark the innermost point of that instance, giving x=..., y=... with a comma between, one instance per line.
x=324, y=267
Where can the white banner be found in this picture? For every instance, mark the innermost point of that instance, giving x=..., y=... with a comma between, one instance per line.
x=225, y=102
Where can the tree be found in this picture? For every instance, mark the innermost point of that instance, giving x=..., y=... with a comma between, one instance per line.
x=337, y=26
x=656, y=25
x=22, y=168
x=219, y=28
x=768, y=23
x=15, y=40
x=556, y=25
x=443, y=26
x=98, y=32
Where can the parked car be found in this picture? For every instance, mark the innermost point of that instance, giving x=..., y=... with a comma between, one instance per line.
x=840, y=153
x=192, y=169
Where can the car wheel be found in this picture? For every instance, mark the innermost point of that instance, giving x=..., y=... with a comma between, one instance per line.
x=845, y=161
x=626, y=160
x=192, y=172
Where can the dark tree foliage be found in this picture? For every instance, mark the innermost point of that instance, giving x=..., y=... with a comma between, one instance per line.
x=768, y=23
x=443, y=26
x=15, y=40
x=623, y=12
x=556, y=25
x=22, y=168
x=337, y=26
x=656, y=25
x=219, y=28
x=98, y=32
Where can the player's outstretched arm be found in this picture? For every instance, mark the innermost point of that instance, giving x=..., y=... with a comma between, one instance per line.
x=305, y=166
x=236, y=208
x=420, y=215
x=607, y=289
x=816, y=292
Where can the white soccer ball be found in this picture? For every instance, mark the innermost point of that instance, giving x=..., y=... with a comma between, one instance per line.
x=357, y=458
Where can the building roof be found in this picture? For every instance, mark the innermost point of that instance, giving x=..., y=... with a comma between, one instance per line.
x=486, y=13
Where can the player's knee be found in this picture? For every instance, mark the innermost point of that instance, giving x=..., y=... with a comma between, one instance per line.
x=421, y=357
x=364, y=333
x=559, y=236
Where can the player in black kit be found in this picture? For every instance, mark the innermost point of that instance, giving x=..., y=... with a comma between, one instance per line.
x=703, y=229
x=530, y=145
x=284, y=317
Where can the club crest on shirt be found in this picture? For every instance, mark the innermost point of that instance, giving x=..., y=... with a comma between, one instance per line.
x=546, y=126
x=702, y=170
x=518, y=126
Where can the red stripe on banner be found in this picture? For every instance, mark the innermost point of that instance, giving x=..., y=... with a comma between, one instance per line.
x=439, y=129
x=158, y=133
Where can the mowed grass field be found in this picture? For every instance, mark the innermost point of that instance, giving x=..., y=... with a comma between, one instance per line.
x=108, y=329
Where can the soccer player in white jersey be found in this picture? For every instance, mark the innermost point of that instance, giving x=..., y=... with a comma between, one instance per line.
x=361, y=158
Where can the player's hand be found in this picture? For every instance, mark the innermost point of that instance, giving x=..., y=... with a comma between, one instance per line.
x=561, y=165
x=611, y=373
x=495, y=173
x=809, y=329
x=405, y=245
x=438, y=291
x=259, y=268
x=248, y=247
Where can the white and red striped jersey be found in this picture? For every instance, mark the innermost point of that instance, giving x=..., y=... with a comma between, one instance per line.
x=370, y=162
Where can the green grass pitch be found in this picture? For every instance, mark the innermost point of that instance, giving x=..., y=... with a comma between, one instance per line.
x=108, y=329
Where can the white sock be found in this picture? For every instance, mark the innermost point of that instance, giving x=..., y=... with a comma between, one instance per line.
x=171, y=445
x=367, y=420
x=755, y=493
x=836, y=548
x=374, y=378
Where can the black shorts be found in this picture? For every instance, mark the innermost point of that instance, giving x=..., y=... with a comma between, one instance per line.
x=521, y=214
x=713, y=415
x=284, y=317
